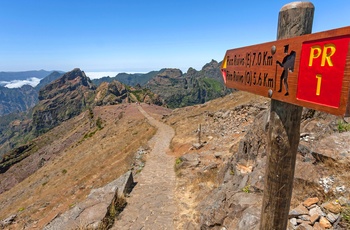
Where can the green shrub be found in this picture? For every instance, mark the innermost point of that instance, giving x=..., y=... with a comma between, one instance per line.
x=346, y=214
x=99, y=123
x=178, y=161
x=343, y=126
x=246, y=189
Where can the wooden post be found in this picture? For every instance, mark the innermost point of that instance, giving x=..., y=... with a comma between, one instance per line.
x=284, y=130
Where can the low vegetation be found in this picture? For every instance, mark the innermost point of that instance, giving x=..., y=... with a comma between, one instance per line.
x=343, y=126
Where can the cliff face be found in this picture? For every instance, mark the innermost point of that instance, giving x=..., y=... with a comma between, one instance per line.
x=17, y=99
x=14, y=100
x=62, y=99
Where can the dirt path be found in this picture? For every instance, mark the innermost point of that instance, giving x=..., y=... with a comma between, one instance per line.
x=151, y=203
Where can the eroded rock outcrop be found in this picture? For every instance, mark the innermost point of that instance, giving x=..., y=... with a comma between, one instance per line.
x=193, y=87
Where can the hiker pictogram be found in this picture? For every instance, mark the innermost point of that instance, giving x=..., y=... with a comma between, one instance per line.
x=288, y=66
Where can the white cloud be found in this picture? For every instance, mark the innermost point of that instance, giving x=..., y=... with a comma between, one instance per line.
x=19, y=83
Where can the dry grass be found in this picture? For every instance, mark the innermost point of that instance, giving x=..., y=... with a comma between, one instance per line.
x=88, y=164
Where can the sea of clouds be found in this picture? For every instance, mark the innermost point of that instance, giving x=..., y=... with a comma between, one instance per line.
x=19, y=83
x=35, y=81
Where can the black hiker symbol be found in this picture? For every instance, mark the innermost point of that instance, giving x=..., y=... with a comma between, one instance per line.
x=287, y=65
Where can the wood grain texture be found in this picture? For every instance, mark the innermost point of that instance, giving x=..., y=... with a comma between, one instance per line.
x=284, y=133
x=243, y=67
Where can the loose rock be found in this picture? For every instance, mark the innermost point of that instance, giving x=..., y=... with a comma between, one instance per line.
x=310, y=201
x=325, y=223
x=333, y=207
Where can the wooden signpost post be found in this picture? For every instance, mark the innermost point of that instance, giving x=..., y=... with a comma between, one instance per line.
x=298, y=70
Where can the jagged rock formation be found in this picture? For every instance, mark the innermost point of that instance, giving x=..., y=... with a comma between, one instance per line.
x=194, y=87
x=62, y=99
x=110, y=93
x=115, y=93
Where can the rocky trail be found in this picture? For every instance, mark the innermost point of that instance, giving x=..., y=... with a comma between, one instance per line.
x=151, y=204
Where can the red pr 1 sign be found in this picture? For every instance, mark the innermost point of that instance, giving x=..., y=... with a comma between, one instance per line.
x=322, y=68
x=310, y=70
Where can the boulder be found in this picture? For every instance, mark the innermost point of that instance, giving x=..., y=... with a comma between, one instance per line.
x=99, y=209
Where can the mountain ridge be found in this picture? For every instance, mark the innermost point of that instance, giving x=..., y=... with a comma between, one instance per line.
x=192, y=87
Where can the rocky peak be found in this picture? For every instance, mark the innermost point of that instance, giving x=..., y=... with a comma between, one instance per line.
x=68, y=82
x=211, y=65
x=110, y=93
x=191, y=71
x=115, y=93
x=63, y=99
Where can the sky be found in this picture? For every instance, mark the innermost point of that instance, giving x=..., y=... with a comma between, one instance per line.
x=140, y=35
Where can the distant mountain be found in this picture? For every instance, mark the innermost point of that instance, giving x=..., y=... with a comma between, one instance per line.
x=116, y=92
x=131, y=79
x=48, y=79
x=194, y=87
x=176, y=88
x=23, y=75
x=136, y=78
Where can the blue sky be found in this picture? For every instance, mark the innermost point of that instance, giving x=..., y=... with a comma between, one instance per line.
x=140, y=35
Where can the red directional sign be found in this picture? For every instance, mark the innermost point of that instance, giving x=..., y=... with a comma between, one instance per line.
x=310, y=70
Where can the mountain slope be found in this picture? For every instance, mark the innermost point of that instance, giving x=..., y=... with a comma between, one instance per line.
x=17, y=99
x=70, y=160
